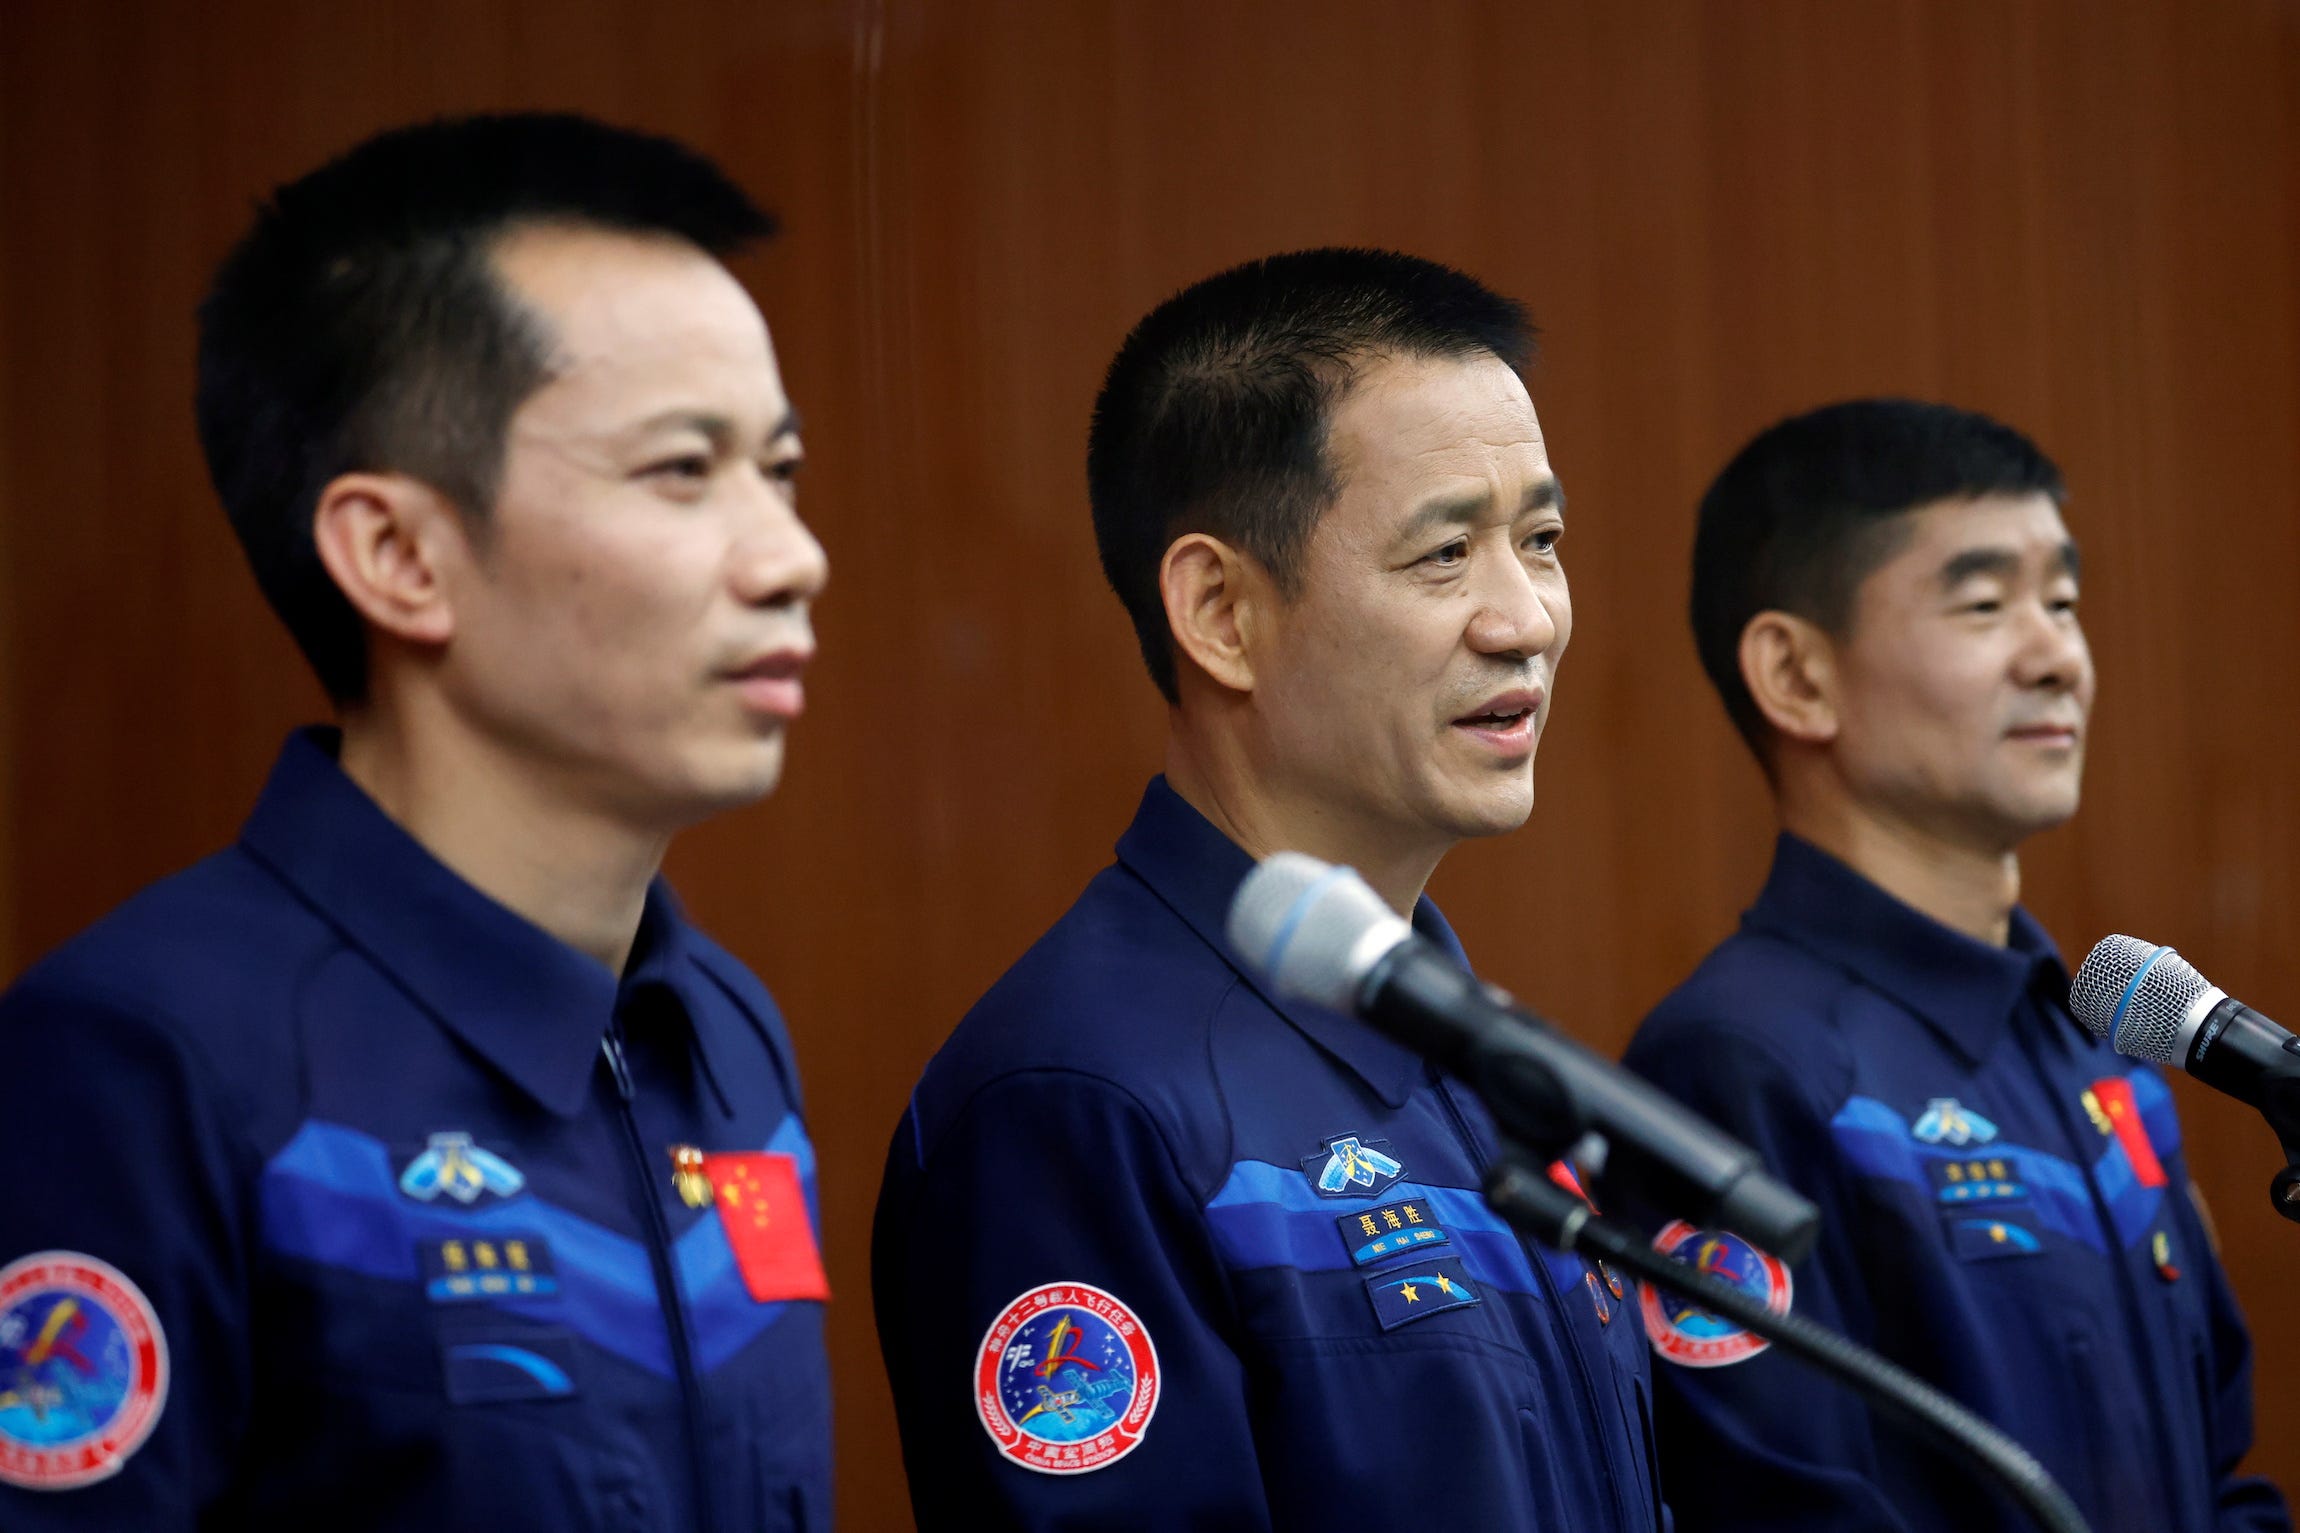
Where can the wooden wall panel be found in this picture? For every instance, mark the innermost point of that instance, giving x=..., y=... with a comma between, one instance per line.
x=2085, y=217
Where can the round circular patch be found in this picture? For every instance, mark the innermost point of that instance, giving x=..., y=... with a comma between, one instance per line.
x=1066, y=1379
x=83, y=1370
x=1687, y=1334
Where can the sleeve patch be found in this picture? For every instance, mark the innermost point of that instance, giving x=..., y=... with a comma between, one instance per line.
x=83, y=1370
x=1692, y=1337
x=1065, y=1380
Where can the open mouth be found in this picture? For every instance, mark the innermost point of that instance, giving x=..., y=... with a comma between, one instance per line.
x=1506, y=721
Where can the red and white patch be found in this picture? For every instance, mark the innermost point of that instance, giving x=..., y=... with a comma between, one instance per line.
x=1691, y=1336
x=1066, y=1379
x=83, y=1370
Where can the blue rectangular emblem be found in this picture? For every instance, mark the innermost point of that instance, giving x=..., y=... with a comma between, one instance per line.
x=1971, y=1179
x=490, y=1267
x=1412, y=1290
x=1992, y=1234
x=1379, y=1233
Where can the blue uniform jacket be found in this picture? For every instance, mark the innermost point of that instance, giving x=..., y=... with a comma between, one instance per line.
x=1157, y=1251
x=2007, y=1216
x=348, y=1130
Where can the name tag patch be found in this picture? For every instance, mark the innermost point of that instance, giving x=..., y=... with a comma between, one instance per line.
x=1380, y=1233
x=507, y=1267
x=1978, y=1179
x=1419, y=1289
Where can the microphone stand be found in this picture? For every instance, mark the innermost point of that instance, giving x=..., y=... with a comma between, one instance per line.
x=1518, y=1189
x=2280, y=1105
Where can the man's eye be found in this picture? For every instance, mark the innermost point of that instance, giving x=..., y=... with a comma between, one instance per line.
x=686, y=466
x=1545, y=541
x=1987, y=606
x=784, y=470
x=1450, y=555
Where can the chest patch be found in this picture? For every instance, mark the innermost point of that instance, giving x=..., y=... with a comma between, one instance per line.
x=1946, y=1121
x=83, y=1370
x=1981, y=1179
x=1380, y=1233
x=1684, y=1332
x=1066, y=1379
x=1350, y=1167
x=499, y=1267
x=452, y=1166
x=1418, y=1290
x=487, y=1367
x=1994, y=1235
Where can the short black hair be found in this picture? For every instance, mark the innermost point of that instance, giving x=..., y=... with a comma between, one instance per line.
x=1811, y=507
x=360, y=325
x=1213, y=415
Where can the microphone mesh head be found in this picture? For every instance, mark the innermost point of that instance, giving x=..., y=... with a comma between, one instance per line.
x=2139, y=1019
x=1302, y=923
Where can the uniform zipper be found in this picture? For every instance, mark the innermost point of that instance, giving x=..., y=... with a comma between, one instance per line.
x=1572, y=1338
x=666, y=1278
x=2084, y=1155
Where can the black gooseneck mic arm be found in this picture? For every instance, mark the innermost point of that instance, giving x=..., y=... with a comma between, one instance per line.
x=1317, y=932
x=1520, y=1191
x=1540, y=1114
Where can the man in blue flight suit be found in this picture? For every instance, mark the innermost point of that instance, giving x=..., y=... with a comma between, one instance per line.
x=1884, y=594
x=1157, y=1249
x=414, y=1163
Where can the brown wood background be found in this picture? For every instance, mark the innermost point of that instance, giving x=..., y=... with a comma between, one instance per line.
x=2082, y=215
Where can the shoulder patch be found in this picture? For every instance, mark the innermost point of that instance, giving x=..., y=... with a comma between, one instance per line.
x=83, y=1370
x=1066, y=1379
x=1687, y=1334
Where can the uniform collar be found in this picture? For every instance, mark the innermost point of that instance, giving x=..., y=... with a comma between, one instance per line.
x=1195, y=869
x=529, y=1004
x=1964, y=989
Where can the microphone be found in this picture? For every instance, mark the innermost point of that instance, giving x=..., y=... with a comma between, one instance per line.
x=1318, y=933
x=2150, y=1003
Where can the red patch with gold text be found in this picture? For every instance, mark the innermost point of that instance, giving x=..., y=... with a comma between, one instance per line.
x=1684, y=1332
x=83, y=1370
x=1065, y=1380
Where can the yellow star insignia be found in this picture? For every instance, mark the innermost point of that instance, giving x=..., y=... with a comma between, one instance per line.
x=1444, y=1286
x=1408, y=1290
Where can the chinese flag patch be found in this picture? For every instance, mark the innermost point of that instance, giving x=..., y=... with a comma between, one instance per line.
x=764, y=1210
x=2115, y=1097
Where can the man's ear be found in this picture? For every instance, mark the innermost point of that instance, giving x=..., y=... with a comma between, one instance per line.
x=387, y=540
x=1789, y=665
x=1214, y=596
